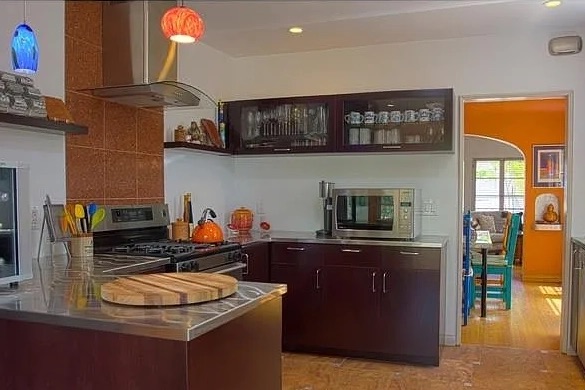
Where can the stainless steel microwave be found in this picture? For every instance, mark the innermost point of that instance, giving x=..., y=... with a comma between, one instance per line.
x=385, y=213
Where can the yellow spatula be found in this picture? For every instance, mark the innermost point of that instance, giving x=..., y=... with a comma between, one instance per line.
x=80, y=214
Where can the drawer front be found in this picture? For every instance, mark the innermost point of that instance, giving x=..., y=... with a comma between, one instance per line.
x=353, y=255
x=411, y=258
x=293, y=252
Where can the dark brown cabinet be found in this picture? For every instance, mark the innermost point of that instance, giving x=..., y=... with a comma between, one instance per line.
x=390, y=121
x=257, y=259
x=283, y=125
x=360, y=300
x=410, y=304
x=300, y=267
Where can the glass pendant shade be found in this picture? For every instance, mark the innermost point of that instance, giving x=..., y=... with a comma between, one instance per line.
x=182, y=25
x=25, y=50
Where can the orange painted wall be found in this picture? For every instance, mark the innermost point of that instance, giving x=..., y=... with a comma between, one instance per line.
x=524, y=124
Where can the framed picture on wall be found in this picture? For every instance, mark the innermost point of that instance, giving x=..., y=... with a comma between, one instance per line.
x=548, y=165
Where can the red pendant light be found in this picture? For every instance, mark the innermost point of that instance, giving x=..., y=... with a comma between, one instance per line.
x=183, y=25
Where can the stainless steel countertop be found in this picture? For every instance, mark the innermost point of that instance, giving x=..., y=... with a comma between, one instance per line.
x=579, y=240
x=310, y=237
x=67, y=294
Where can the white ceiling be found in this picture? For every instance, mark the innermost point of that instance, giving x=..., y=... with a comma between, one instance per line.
x=248, y=28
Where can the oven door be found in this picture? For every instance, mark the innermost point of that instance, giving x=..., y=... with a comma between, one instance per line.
x=232, y=269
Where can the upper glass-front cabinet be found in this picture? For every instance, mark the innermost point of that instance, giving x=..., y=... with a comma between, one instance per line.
x=281, y=125
x=419, y=120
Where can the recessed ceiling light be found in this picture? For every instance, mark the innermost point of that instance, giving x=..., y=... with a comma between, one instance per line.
x=552, y=3
x=295, y=30
x=390, y=105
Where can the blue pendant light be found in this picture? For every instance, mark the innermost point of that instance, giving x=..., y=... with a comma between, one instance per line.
x=25, y=50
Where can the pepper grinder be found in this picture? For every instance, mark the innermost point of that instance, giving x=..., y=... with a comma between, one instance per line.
x=326, y=193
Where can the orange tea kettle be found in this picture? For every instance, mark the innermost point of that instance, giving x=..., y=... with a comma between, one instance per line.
x=207, y=231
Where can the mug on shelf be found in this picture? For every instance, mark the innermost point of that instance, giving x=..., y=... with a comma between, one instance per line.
x=370, y=117
x=396, y=116
x=410, y=116
x=383, y=117
x=354, y=118
x=424, y=115
x=437, y=114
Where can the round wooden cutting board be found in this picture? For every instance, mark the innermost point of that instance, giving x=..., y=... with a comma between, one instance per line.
x=168, y=289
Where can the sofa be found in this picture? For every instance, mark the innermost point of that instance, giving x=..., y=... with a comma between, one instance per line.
x=496, y=228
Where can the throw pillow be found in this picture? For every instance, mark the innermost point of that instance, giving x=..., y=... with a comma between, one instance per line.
x=487, y=222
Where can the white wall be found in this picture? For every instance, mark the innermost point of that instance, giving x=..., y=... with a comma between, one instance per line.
x=477, y=65
x=479, y=147
x=208, y=177
x=44, y=153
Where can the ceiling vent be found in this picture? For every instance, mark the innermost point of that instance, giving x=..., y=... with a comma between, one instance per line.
x=565, y=45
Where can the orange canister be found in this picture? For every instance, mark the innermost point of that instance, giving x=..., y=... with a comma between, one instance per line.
x=241, y=220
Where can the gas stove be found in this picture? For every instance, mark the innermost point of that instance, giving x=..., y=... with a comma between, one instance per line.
x=142, y=231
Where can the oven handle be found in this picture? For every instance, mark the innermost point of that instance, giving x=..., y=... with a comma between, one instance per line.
x=236, y=267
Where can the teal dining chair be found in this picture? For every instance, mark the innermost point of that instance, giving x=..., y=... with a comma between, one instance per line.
x=498, y=265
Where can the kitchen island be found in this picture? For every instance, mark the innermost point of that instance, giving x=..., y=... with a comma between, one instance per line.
x=56, y=333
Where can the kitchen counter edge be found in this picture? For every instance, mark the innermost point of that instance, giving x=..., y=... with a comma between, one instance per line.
x=426, y=241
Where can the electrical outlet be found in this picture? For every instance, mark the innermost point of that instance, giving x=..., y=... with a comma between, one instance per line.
x=429, y=208
x=35, y=219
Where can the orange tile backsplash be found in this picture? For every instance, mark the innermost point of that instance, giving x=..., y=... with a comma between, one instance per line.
x=120, y=125
x=120, y=161
x=91, y=111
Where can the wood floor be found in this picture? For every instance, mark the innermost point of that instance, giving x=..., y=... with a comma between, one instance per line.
x=468, y=366
x=515, y=349
x=533, y=322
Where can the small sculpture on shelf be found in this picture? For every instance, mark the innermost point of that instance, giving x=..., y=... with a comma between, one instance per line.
x=197, y=136
x=550, y=215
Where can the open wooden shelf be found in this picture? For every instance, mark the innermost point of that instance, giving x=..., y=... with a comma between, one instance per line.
x=39, y=125
x=196, y=148
x=547, y=226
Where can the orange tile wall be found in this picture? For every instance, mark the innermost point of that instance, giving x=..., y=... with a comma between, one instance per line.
x=120, y=161
x=526, y=123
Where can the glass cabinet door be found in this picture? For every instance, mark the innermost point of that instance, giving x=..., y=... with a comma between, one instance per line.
x=397, y=120
x=267, y=127
x=8, y=223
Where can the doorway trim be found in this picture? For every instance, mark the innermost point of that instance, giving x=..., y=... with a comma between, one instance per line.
x=567, y=199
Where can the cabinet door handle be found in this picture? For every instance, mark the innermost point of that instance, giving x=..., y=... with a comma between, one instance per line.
x=245, y=259
x=384, y=282
x=409, y=253
x=295, y=248
x=317, y=284
x=352, y=250
x=391, y=146
x=282, y=149
x=374, y=282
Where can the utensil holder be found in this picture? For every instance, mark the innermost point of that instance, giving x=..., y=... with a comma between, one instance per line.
x=180, y=231
x=81, y=245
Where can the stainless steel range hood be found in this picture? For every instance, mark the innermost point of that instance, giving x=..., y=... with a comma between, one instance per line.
x=139, y=63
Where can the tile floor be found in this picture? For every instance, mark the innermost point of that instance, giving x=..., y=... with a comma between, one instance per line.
x=468, y=366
